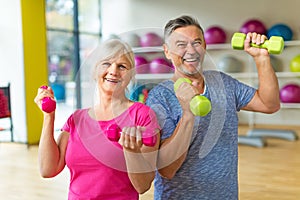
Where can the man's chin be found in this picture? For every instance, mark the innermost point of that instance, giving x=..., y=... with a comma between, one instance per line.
x=190, y=70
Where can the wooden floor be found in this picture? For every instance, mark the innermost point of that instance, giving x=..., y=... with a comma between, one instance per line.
x=268, y=173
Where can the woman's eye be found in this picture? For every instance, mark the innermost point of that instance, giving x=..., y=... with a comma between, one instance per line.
x=122, y=67
x=105, y=64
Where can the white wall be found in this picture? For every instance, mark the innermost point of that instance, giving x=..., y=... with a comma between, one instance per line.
x=121, y=16
x=11, y=66
x=125, y=15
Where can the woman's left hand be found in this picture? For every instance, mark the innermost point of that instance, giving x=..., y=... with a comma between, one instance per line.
x=131, y=138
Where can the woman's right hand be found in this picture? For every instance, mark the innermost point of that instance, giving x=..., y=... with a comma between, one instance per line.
x=42, y=93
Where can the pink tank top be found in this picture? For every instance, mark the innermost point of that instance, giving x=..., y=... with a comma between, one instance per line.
x=97, y=165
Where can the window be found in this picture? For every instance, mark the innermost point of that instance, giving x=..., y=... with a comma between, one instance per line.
x=73, y=30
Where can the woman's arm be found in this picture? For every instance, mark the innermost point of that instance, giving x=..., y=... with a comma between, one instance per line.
x=140, y=159
x=51, y=153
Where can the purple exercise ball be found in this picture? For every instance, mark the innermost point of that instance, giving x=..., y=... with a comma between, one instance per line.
x=290, y=93
x=150, y=39
x=215, y=35
x=142, y=65
x=160, y=65
x=253, y=25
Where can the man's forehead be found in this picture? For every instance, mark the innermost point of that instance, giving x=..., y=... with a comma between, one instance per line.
x=176, y=37
x=188, y=32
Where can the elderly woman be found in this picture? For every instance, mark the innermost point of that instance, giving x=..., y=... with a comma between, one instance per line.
x=103, y=145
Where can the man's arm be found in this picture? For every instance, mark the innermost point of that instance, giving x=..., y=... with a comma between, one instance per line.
x=173, y=150
x=266, y=98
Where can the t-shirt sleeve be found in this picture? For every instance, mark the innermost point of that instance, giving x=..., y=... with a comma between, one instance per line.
x=158, y=99
x=242, y=92
x=68, y=124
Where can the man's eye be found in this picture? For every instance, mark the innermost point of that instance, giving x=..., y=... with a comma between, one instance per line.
x=197, y=44
x=181, y=45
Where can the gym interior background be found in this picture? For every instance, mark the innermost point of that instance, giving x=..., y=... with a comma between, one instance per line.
x=29, y=44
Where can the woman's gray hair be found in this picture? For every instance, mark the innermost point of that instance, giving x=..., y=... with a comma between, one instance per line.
x=110, y=49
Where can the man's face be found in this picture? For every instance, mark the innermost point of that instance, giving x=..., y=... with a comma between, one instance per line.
x=186, y=49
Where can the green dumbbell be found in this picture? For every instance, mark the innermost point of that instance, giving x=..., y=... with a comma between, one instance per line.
x=199, y=105
x=274, y=45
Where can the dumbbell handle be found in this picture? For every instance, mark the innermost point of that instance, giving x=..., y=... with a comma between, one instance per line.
x=113, y=133
x=48, y=104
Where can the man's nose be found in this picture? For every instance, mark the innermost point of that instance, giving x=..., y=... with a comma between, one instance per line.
x=190, y=48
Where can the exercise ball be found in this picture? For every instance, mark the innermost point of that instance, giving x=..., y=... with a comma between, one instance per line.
x=132, y=39
x=290, y=93
x=230, y=64
x=136, y=91
x=59, y=91
x=295, y=64
x=215, y=35
x=141, y=64
x=282, y=30
x=253, y=25
x=160, y=65
x=150, y=39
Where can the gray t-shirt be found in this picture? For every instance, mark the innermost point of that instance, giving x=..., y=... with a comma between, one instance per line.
x=210, y=168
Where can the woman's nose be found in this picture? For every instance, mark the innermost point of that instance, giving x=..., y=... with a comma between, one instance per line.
x=113, y=69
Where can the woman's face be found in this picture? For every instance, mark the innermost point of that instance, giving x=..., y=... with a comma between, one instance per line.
x=114, y=75
x=186, y=48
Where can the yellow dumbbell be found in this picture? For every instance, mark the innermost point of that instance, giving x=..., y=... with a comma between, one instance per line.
x=199, y=105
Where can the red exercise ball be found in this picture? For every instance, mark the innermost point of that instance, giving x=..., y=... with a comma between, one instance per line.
x=150, y=39
x=253, y=25
x=160, y=65
x=215, y=35
x=142, y=65
x=290, y=93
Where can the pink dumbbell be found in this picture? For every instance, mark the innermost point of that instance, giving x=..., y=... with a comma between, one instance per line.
x=113, y=133
x=48, y=104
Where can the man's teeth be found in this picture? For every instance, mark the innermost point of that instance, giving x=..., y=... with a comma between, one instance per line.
x=190, y=60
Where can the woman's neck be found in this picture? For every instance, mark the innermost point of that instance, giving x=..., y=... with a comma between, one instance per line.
x=109, y=108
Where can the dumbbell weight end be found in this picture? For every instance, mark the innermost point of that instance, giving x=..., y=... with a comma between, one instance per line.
x=48, y=104
x=200, y=105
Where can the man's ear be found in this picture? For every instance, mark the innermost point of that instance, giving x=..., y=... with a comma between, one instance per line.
x=166, y=51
